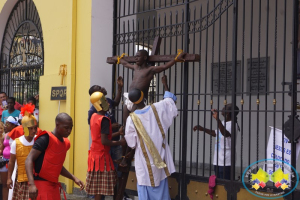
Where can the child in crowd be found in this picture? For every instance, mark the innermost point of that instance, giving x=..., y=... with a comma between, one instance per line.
x=222, y=160
x=11, y=111
x=11, y=123
x=19, y=151
x=101, y=176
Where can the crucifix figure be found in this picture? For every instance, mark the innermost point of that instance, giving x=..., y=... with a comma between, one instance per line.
x=144, y=70
x=143, y=73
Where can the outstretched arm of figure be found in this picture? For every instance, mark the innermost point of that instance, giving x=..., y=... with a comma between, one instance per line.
x=123, y=62
x=11, y=166
x=169, y=64
x=33, y=155
x=64, y=172
x=208, y=131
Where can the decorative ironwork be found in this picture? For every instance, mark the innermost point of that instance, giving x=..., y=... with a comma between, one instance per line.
x=22, y=54
x=220, y=31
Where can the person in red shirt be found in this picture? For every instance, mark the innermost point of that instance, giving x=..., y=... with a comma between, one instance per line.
x=101, y=175
x=46, y=160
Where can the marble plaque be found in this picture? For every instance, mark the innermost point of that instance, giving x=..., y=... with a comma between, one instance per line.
x=258, y=71
x=222, y=78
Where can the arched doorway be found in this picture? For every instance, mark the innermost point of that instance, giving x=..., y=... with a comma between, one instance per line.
x=22, y=52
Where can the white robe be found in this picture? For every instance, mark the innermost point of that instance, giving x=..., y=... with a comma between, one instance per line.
x=167, y=111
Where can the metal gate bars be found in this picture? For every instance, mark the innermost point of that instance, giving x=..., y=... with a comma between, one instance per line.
x=22, y=52
x=248, y=57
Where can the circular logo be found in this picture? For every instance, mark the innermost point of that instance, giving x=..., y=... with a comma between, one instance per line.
x=262, y=176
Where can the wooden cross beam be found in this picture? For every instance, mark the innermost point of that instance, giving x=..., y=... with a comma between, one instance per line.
x=157, y=58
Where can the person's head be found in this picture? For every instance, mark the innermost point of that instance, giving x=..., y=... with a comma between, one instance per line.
x=29, y=122
x=10, y=124
x=99, y=101
x=226, y=112
x=97, y=88
x=31, y=100
x=11, y=103
x=136, y=96
x=141, y=57
x=1, y=128
x=3, y=96
x=63, y=125
x=32, y=131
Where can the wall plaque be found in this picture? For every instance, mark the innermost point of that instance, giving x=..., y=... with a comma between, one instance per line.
x=258, y=71
x=59, y=93
x=222, y=77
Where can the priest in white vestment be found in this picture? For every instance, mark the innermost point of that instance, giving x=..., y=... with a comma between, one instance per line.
x=145, y=132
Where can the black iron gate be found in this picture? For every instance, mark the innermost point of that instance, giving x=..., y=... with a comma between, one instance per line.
x=22, y=52
x=248, y=57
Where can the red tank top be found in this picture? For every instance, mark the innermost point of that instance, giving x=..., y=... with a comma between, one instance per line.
x=54, y=158
x=99, y=153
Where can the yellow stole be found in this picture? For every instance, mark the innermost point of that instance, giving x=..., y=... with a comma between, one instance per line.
x=145, y=139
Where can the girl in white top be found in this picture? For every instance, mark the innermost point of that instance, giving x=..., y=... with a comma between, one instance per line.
x=222, y=159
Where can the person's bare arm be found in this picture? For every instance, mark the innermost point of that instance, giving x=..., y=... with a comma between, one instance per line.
x=1, y=145
x=208, y=131
x=222, y=129
x=124, y=63
x=11, y=166
x=169, y=64
x=118, y=133
x=64, y=172
x=164, y=81
x=107, y=142
x=119, y=92
x=31, y=158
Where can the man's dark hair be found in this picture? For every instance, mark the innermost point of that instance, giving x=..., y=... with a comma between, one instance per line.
x=145, y=53
x=61, y=117
x=11, y=98
x=134, y=95
x=94, y=88
x=3, y=93
x=32, y=99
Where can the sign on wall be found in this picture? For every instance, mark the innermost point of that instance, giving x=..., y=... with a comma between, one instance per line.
x=222, y=77
x=258, y=75
x=59, y=93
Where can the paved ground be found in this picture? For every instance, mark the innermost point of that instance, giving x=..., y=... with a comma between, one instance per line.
x=73, y=197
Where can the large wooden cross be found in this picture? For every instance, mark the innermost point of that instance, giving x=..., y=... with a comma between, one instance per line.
x=158, y=58
x=152, y=59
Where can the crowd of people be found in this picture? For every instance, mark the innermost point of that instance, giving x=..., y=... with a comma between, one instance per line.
x=39, y=155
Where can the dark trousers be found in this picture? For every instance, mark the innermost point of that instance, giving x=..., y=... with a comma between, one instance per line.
x=223, y=172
